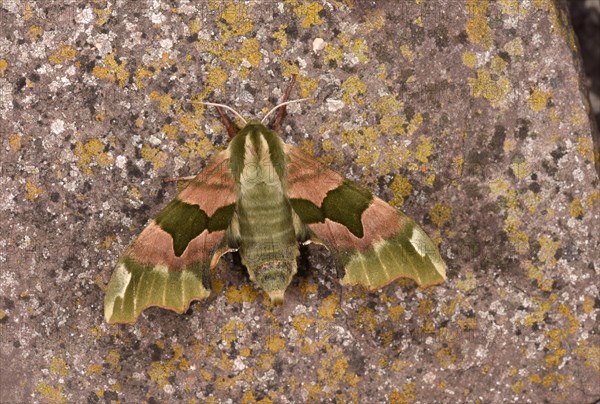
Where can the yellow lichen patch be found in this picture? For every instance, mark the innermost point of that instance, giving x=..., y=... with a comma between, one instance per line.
x=590, y=353
x=54, y=395
x=407, y=395
x=467, y=324
x=555, y=351
x=140, y=74
x=538, y=274
x=301, y=322
x=593, y=198
x=309, y=12
x=308, y=288
x=89, y=152
x=424, y=150
x=493, y=90
x=14, y=141
x=531, y=201
x=28, y=13
x=360, y=49
x=134, y=193
x=237, y=19
x=64, y=54
x=520, y=169
x=246, y=293
x=250, y=51
x=215, y=80
x=59, y=367
x=477, y=28
x=157, y=157
x=195, y=25
x=555, y=379
x=3, y=67
x=34, y=32
x=401, y=188
x=281, y=36
x=102, y=16
x=373, y=21
x=165, y=101
x=470, y=59
x=112, y=71
x=353, y=90
x=407, y=53
x=392, y=118
x=329, y=306
x=231, y=330
x=498, y=65
x=333, y=54
x=588, y=305
x=275, y=343
x=543, y=308
x=585, y=147
x=396, y=312
x=446, y=356
x=548, y=249
x=365, y=319
x=515, y=48
x=196, y=148
x=499, y=187
x=170, y=131
x=510, y=7
x=32, y=190
x=440, y=214
x=512, y=201
x=307, y=86
x=365, y=144
x=161, y=372
x=518, y=238
x=538, y=99
x=113, y=358
x=572, y=319
x=94, y=369
x=518, y=387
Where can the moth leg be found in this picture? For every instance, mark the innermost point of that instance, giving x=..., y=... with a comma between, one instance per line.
x=282, y=110
x=231, y=130
x=177, y=179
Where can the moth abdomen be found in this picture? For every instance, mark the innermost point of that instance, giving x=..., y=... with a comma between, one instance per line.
x=274, y=277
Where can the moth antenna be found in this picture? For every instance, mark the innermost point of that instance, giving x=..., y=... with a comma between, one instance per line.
x=281, y=105
x=222, y=106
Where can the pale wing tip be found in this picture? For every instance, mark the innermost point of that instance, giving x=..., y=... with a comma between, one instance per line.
x=122, y=307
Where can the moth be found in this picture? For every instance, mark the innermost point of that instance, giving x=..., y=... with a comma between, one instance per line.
x=263, y=198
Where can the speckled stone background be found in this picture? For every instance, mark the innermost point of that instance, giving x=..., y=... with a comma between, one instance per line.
x=469, y=115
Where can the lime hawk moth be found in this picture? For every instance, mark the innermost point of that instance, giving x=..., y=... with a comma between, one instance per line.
x=262, y=198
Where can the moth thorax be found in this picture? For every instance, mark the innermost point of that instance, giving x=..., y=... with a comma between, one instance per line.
x=274, y=277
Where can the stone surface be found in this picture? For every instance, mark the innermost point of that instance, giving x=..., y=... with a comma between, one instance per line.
x=469, y=115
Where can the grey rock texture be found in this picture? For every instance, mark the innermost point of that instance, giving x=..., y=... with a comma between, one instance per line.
x=468, y=115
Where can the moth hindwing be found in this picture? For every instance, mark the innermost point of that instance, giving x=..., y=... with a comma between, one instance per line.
x=262, y=198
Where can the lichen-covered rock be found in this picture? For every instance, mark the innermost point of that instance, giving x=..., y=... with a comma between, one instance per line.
x=469, y=115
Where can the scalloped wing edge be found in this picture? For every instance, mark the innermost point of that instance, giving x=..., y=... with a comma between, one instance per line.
x=134, y=287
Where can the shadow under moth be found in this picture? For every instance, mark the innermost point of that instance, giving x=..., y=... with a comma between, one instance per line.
x=262, y=198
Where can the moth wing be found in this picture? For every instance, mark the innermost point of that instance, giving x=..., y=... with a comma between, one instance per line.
x=169, y=264
x=374, y=242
